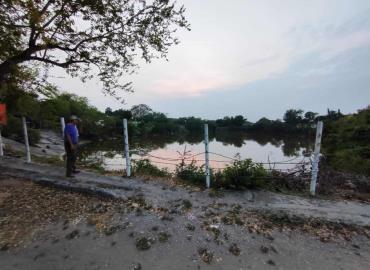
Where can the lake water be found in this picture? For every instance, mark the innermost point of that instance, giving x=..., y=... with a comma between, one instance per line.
x=168, y=152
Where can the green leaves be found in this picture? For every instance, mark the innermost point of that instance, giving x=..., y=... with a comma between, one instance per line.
x=104, y=34
x=346, y=142
x=244, y=173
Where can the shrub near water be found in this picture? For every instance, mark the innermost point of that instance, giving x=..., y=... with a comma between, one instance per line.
x=144, y=167
x=242, y=173
x=191, y=172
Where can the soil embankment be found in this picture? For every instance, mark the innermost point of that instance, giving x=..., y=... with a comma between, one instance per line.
x=50, y=145
x=101, y=222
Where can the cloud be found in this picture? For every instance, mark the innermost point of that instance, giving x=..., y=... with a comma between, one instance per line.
x=251, y=46
x=185, y=86
x=341, y=44
x=248, y=42
x=226, y=75
x=330, y=39
x=306, y=85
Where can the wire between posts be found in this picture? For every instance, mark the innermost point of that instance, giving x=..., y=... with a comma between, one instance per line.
x=144, y=153
x=159, y=162
x=222, y=161
x=170, y=161
x=275, y=162
x=163, y=161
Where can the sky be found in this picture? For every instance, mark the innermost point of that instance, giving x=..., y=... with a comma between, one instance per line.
x=256, y=59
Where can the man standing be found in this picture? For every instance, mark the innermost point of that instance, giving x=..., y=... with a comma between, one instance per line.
x=70, y=145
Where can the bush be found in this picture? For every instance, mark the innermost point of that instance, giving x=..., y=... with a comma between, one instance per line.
x=242, y=173
x=355, y=160
x=191, y=172
x=144, y=167
x=346, y=143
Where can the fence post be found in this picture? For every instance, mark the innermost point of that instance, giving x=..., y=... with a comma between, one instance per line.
x=206, y=143
x=316, y=157
x=127, y=150
x=63, y=125
x=28, y=153
x=1, y=144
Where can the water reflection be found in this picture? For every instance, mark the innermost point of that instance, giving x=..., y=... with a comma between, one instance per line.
x=259, y=147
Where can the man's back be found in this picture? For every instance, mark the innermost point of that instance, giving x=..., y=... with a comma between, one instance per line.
x=71, y=130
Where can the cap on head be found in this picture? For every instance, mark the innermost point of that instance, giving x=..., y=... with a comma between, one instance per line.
x=73, y=117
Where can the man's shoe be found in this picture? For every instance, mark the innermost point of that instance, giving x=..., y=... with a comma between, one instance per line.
x=70, y=176
x=76, y=171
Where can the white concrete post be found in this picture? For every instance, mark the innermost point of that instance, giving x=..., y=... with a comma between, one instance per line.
x=206, y=144
x=63, y=125
x=127, y=150
x=1, y=145
x=28, y=153
x=316, y=157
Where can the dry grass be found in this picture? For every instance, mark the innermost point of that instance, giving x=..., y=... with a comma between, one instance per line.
x=27, y=207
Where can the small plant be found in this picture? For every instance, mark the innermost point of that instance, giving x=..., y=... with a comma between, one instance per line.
x=187, y=204
x=163, y=237
x=205, y=255
x=143, y=243
x=190, y=227
x=144, y=167
x=234, y=249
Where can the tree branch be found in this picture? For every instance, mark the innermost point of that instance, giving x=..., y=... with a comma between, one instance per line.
x=43, y=27
x=55, y=63
x=55, y=16
x=34, y=35
x=44, y=9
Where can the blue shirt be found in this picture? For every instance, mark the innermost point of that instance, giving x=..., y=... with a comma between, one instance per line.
x=71, y=130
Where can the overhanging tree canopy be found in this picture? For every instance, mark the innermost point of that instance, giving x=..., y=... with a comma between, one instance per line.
x=87, y=37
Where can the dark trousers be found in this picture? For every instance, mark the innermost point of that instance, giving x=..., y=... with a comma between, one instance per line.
x=71, y=159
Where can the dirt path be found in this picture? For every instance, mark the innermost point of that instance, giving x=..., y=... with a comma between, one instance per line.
x=46, y=228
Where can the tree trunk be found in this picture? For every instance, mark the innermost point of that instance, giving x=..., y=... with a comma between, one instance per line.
x=7, y=66
x=5, y=70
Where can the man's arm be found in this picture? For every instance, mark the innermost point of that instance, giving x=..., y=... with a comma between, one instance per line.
x=69, y=139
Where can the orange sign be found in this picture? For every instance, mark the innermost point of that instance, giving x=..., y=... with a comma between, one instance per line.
x=3, y=118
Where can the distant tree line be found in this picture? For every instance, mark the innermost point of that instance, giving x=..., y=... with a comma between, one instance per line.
x=44, y=112
x=294, y=120
x=144, y=121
